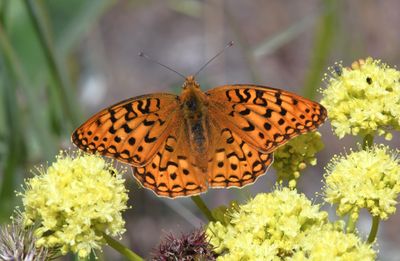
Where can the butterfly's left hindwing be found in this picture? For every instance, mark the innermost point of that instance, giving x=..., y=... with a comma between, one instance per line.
x=172, y=172
x=264, y=117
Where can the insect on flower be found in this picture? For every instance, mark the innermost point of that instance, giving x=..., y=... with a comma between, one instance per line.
x=181, y=145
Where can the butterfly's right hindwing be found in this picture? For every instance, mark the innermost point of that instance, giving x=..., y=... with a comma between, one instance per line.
x=232, y=161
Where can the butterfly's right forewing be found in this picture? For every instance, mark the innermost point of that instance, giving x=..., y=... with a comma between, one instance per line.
x=131, y=131
x=264, y=117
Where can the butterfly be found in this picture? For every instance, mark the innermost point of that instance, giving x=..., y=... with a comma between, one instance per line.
x=181, y=145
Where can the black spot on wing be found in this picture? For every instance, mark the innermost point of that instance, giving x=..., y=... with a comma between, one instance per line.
x=268, y=113
x=148, y=123
x=130, y=112
x=149, y=139
x=144, y=106
x=126, y=128
x=278, y=98
x=228, y=96
x=259, y=100
x=249, y=128
x=245, y=112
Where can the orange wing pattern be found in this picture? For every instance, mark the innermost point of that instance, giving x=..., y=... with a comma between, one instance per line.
x=172, y=172
x=245, y=124
x=234, y=162
x=264, y=117
x=131, y=131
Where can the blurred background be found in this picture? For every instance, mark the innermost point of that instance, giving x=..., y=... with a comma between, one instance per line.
x=61, y=61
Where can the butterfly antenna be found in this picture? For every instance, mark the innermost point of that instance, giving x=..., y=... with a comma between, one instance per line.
x=212, y=59
x=142, y=54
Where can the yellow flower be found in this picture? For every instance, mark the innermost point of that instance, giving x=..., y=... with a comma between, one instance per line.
x=294, y=156
x=328, y=243
x=363, y=99
x=75, y=201
x=282, y=225
x=365, y=179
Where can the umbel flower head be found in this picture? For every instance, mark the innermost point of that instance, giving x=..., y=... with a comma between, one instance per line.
x=294, y=156
x=363, y=99
x=192, y=246
x=284, y=225
x=330, y=243
x=364, y=179
x=17, y=242
x=76, y=200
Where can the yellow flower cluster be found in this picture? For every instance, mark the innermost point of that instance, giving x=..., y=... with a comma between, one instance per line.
x=363, y=99
x=75, y=201
x=284, y=225
x=330, y=243
x=294, y=156
x=365, y=179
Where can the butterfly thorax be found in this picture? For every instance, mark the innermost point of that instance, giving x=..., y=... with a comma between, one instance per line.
x=195, y=112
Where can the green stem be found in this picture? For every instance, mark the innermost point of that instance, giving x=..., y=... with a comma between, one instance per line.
x=46, y=42
x=351, y=223
x=39, y=125
x=203, y=207
x=123, y=250
x=3, y=11
x=367, y=141
x=374, y=229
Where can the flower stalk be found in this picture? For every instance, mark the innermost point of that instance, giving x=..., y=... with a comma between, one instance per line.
x=203, y=207
x=123, y=250
x=352, y=222
x=374, y=229
x=367, y=141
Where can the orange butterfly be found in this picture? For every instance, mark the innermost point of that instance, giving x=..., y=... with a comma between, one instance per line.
x=181, y=145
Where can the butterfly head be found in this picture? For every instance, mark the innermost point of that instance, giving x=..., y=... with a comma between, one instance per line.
x=190, y=82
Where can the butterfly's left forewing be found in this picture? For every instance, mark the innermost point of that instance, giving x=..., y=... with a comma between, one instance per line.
x=264, y=117
x=131, y=131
